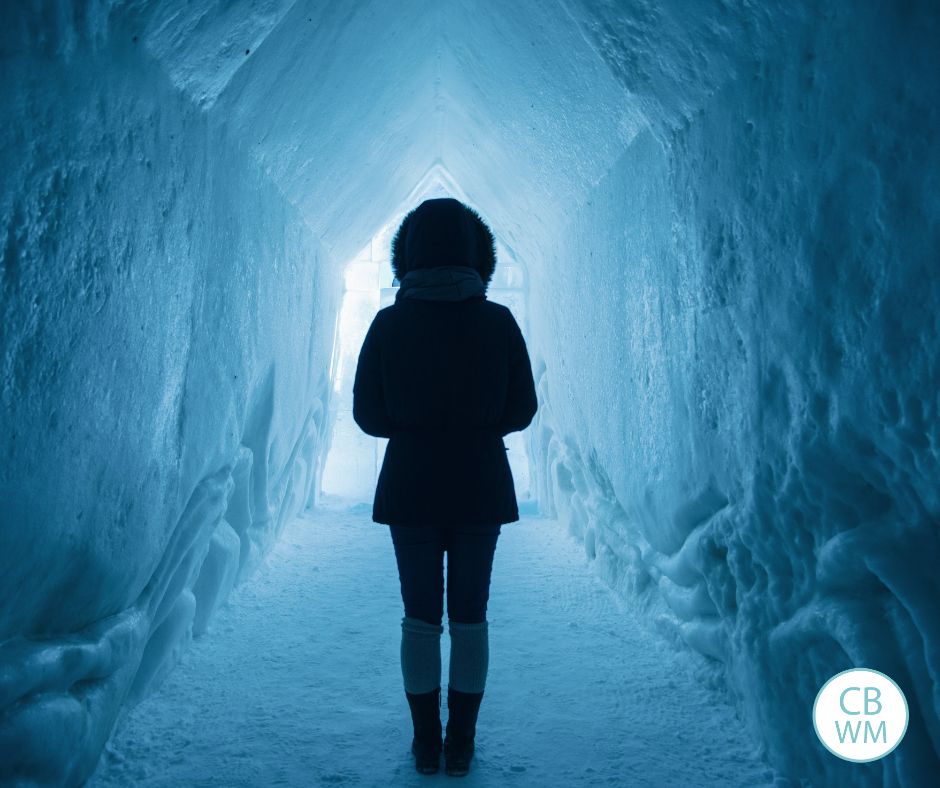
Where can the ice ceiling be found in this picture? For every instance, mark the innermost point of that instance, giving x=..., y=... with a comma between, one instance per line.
x=333, y=99
x=726, y=215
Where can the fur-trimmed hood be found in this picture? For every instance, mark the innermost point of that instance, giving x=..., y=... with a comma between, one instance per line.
x=443, y=231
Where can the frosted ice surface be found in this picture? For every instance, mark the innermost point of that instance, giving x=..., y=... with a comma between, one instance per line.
x=300, y=682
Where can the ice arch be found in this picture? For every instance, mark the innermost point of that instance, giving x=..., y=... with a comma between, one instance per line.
x=728, y=217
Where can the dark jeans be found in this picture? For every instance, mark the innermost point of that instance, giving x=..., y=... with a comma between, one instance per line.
x=420, y=555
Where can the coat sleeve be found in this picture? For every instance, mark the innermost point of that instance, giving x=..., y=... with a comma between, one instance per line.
x=369, y=410
x=521, y=402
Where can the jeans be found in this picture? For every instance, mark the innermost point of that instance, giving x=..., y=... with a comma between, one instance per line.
x=420, y=554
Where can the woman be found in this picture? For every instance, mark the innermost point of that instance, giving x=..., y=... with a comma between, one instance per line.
x=444, y=374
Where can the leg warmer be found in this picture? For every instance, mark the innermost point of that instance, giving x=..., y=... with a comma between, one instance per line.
x=469, y=656
x=420, y=655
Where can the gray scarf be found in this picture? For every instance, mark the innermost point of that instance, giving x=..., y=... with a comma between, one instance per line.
x=445, y=283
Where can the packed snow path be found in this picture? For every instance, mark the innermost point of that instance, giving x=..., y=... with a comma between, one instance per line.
x=298, y=682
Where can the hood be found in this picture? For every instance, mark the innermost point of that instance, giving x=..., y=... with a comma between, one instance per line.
x=443, y=232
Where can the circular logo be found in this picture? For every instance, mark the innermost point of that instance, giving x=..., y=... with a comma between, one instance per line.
x=860, y=715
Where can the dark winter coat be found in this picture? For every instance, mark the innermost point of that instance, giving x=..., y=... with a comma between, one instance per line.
x=444, y=374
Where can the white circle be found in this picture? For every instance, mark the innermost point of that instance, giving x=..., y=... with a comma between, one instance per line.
x=860, y=715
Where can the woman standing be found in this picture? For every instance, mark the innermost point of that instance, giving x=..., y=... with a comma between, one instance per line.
x=444, y=374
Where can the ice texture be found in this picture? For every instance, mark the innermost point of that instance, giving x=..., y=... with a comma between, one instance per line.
x=165, y=345
x=726, y=218
x=252, y=727
x=748, y=439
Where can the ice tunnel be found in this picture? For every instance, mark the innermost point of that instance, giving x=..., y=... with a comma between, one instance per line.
x=717, y=225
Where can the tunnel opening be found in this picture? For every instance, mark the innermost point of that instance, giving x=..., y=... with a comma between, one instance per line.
x=351, y=459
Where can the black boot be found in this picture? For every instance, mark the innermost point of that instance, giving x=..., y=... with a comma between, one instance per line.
x=463, y=708
x=426, y=718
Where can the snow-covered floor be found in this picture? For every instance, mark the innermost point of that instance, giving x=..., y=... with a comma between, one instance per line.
x=298, y=681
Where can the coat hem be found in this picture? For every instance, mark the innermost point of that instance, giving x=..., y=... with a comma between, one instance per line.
x=444, y=522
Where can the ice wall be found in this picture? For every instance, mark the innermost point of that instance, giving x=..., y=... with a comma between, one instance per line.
x=759, y=465
x=166, y=326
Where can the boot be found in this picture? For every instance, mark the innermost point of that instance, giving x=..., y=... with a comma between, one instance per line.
x=426, y=718
x=463, y=708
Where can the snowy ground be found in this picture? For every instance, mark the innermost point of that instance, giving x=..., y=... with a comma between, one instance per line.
x=298, y=681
